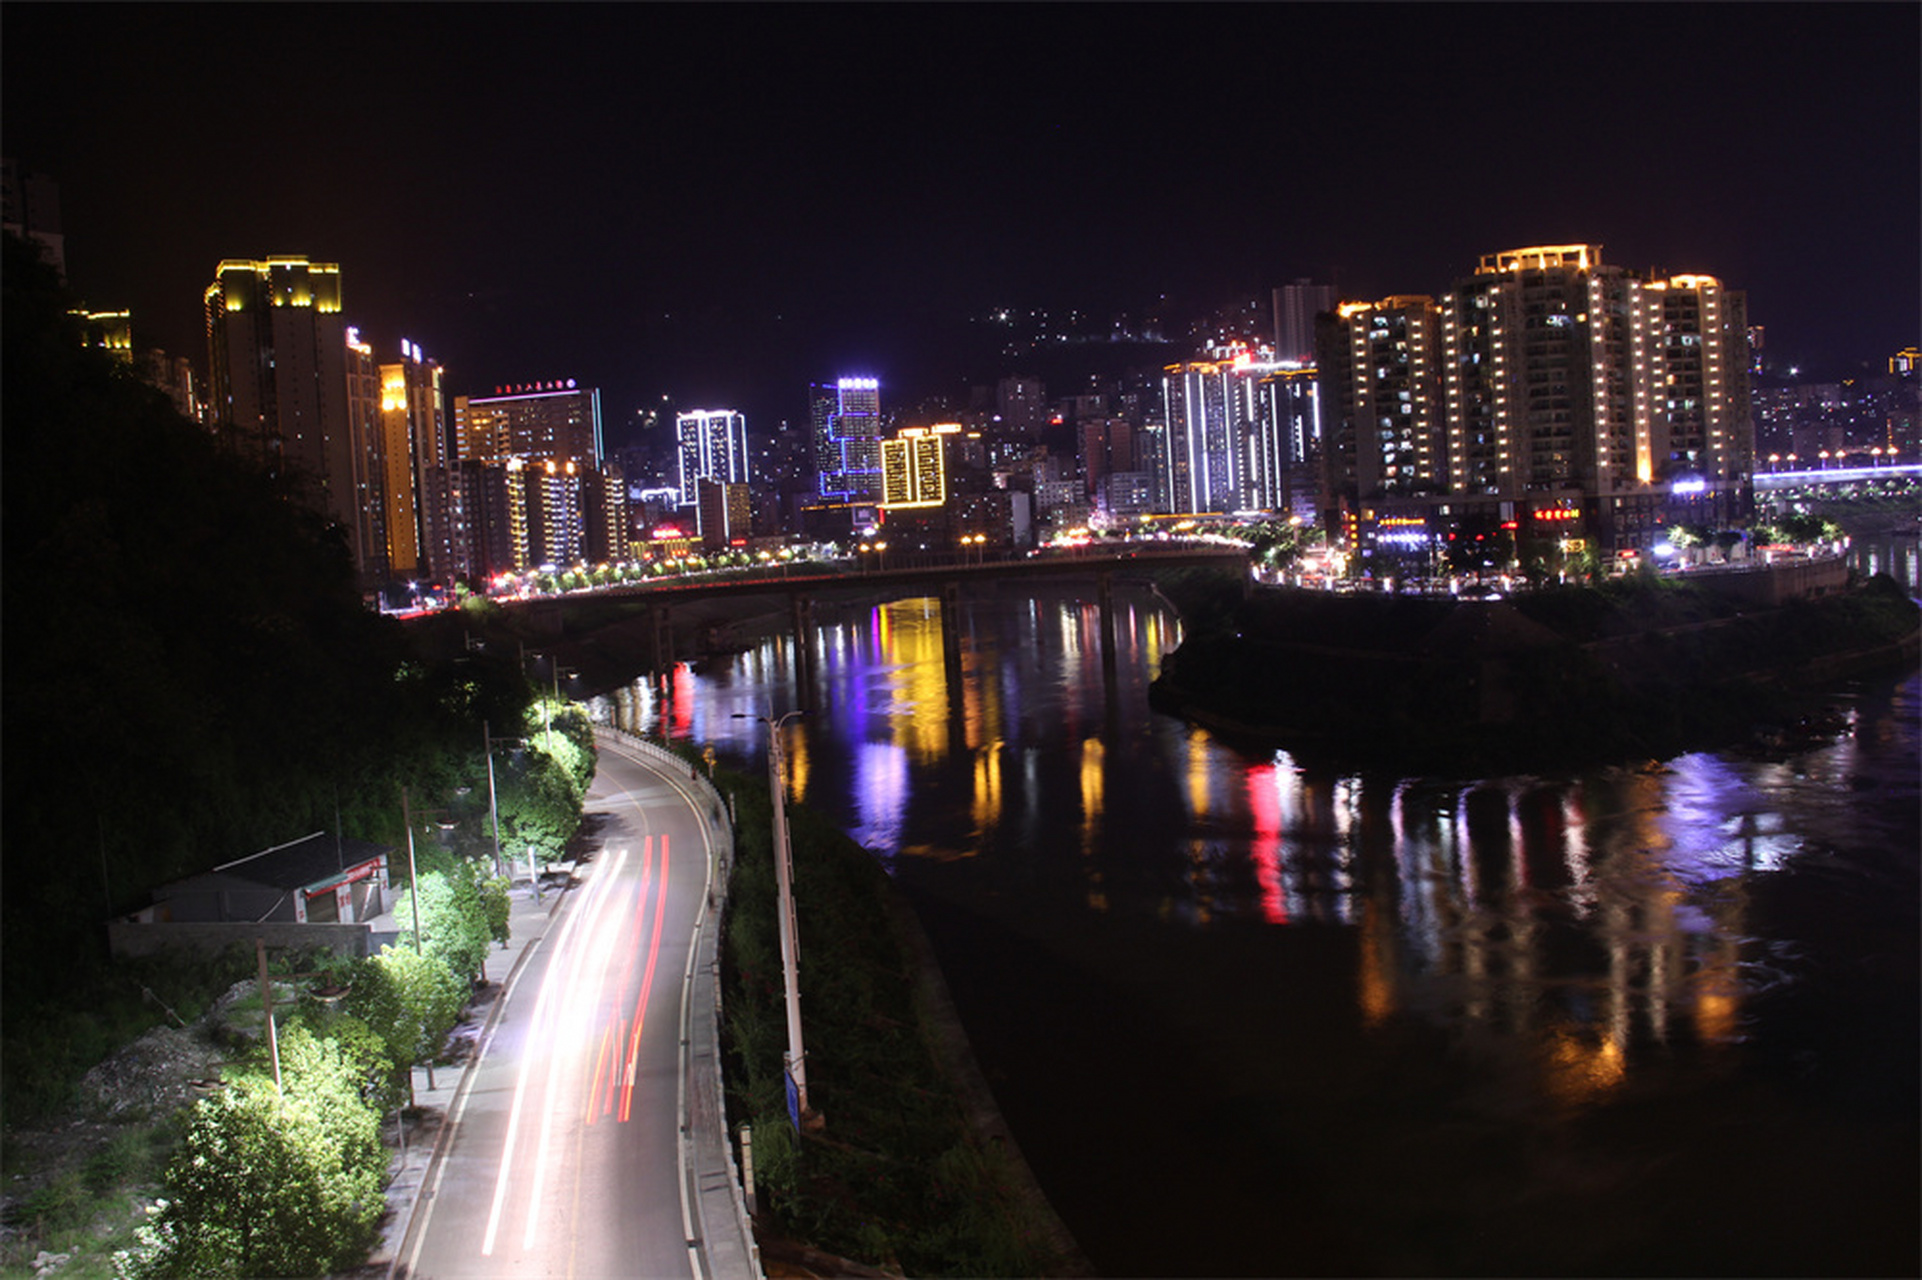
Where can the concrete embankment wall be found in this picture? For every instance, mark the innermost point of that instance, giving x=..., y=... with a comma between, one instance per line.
x=127, y=938
x=1774, y=584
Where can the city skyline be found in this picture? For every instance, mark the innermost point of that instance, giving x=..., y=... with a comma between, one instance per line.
x=545, y=198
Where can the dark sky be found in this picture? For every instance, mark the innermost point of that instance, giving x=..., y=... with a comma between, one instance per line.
x=720, y=202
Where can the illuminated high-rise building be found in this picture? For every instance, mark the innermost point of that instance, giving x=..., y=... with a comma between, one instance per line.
x=1222, y=437
x=713, y=446
x=370, y=459
x=1537, y=356
x=413, y=415
x=1548, y=386
x=1287, y=455
x=1383, y=430
x=846, y=418
x=555, y=420
x=277, y=355
x=914, y=466
x=1694, y=351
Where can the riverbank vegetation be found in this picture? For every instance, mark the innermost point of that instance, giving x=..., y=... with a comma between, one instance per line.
x=1626, y=669
x=897, y=1177
x=193, y=676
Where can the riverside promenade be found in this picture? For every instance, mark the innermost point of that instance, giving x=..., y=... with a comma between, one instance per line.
x=700, y=1206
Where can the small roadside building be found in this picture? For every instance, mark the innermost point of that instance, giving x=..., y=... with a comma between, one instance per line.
x=293, y=891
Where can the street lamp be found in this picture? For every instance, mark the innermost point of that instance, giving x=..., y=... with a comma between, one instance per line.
x=493, y=804
x=796, y=1058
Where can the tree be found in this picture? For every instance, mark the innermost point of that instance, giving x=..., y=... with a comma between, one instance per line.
x=410, y=1001
x=540, y=806
x=273, y=1182
x=453, y=921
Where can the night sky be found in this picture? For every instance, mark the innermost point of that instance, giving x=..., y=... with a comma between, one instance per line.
x=718, y=203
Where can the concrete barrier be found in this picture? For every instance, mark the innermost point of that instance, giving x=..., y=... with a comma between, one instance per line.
x=715, y=1188
x=133, y=938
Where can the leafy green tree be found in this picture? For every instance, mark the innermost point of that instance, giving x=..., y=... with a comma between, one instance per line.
x=540, y=806
x=453, y=922
x=410, y=1002
x=273, y=1182
x=1801, y=528
x=496, y=907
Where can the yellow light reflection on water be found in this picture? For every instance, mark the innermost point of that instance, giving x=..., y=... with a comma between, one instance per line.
x=1093, y=792
x=986, y=806
x=794, y=751
x=1200, y=767
x=1375, y=979
x=909, y=638
x=1578, y=1071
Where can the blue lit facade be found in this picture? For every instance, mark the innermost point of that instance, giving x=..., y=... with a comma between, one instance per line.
x=846, y=419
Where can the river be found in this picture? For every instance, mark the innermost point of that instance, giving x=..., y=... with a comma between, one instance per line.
x=1250, y=1018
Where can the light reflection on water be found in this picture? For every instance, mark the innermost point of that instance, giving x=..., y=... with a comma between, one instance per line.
x=1600, y=928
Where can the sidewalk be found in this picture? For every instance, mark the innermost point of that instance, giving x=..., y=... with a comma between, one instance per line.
x=426, y=1126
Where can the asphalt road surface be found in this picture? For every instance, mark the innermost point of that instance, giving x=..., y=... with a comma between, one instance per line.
x=565, y=1157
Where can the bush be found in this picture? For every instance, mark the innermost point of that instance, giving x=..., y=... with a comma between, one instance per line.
x=454, y=919
x=272, y=1182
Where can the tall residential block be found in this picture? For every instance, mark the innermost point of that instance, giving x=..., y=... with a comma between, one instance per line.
x=370, y=459
x=554, y=420
x=846, y=420
x=277, y=356
x=1223, y=441
x=1548, y=380
x=713, y=446
x=1381, y=363
x=413, y=415
x=1693, y=351
x=914, y=466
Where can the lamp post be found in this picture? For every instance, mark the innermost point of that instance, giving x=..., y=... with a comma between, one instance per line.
x=796, y=1058
x=547, y=708
x=413, y=897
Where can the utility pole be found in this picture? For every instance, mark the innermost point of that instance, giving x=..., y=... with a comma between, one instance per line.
x=413, y=896
x=267, y=1007
x=493, y=804
x=796, y=1059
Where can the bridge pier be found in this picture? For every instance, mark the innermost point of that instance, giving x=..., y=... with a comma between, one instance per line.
x=951, y=632
x=662, y=616
x=801, y=609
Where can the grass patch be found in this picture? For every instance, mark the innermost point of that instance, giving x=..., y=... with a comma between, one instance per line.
x=896, y=1178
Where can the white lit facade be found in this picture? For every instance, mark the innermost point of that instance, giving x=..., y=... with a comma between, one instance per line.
x=1225, y=446
x=713, y=446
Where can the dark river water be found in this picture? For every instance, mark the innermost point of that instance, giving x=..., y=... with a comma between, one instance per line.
x=1250, y=1018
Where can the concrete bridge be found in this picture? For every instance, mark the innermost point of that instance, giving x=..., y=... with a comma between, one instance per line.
x=582, y=636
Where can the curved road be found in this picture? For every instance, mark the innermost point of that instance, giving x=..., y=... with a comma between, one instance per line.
x=566, y=1151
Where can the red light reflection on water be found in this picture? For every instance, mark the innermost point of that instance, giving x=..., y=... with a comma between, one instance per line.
x=1264, y=807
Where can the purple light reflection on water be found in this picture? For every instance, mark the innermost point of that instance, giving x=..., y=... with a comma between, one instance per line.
x=1453, y=973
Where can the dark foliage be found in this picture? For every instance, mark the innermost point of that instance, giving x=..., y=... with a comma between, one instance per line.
x=1559, y=678
x=191, y=674
x=897, y=1178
